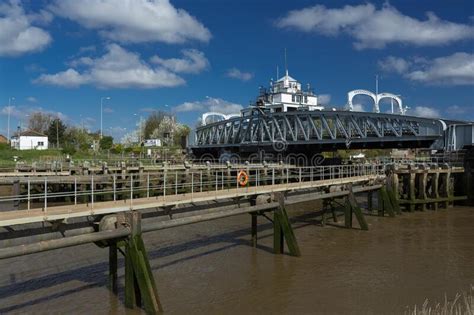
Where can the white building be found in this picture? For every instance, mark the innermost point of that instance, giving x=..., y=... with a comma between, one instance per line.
x=30, y=140
x=285, y=95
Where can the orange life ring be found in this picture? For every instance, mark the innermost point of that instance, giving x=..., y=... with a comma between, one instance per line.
x=242, y=178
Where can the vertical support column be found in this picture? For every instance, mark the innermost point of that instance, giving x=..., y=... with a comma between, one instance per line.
x=411, y=192
x=139, y=281
x=45, y=209
x=385, y=205
x=347, y=215
x=29, y=194
x=283, y=229
x=254, y=229
x=113, y=266
x=445, y=185
x=16, y=194
x=422, y=183
x=370, y=199
x=450, y=189
x=278, y=245
x=434, y=188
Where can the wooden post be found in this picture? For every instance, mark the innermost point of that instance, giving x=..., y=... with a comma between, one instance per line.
x=384, y=203
x=422, y=183
x=354, y=208
x=113, y=267
x=347, y=215
x=254, y=229
x=139, y=281
x=434, y=188
x=411, y=194
x=278, y=245
x=283, y=229
x=370, y=205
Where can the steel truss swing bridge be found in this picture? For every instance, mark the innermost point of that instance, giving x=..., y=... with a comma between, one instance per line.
x=315, y=131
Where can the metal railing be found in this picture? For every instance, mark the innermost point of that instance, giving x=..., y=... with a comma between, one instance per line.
x=42, y=192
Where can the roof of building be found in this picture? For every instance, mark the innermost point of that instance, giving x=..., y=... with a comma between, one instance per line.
x=31, y=133
x=286, y=77
x=3, y=139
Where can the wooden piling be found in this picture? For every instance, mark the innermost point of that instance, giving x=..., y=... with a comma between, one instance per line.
x=139, y=281
x=282, y=229
x=113, y=267
x=254, y=229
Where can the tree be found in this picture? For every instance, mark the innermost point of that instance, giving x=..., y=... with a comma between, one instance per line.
x=181, y=135
x=153, y=122
x=106, y=142
x=78, y=138
x=39, y=122
x=56, y=131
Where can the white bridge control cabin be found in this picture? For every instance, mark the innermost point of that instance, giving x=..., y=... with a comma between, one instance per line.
x=285, y=95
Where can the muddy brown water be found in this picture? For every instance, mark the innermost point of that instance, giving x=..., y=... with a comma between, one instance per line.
x=210, y=268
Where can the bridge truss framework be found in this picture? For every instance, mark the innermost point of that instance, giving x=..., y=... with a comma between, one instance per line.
x=317, y=130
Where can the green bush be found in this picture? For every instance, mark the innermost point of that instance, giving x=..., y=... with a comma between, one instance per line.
x=69, y=149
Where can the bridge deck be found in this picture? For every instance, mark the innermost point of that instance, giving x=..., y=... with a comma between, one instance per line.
x=53, y=213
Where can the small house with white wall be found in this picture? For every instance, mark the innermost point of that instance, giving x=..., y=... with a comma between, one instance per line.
x=29, y=140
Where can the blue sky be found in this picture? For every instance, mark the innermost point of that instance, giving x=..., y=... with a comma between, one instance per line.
x=189, y=57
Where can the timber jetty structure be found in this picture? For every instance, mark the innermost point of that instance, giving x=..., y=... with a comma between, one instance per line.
x=113, y=211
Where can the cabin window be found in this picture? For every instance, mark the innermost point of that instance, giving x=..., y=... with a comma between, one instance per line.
x=277, y=110
x=291, y=109
x=298, y=98
x=40, y=143
x=293, y=98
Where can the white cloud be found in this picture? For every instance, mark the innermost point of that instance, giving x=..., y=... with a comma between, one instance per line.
x=359, y=108
x=424, y=111
x=324, y=99
x=148, y=109
x=134, y=21
x=31, y=99
x=456, y=69
x=210, y=104
x=239, y=75
x=394, y=64
x=456, y=110
x=14, y=112
x=194, y=61
x=375, y=28
x=108, y=110
x=23, y=111
x=17, y=35
x=118, y=68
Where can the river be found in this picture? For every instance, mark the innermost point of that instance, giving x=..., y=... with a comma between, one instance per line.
x=209, y=268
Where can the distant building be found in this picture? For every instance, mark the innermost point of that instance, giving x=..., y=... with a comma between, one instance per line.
x=152, y=143
x=3, y=139
x=30, y=140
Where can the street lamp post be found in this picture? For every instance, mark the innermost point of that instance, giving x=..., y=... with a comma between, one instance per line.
x=101, y=112
x=10, y=99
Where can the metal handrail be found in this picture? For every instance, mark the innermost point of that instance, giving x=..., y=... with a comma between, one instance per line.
x=169, y=182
